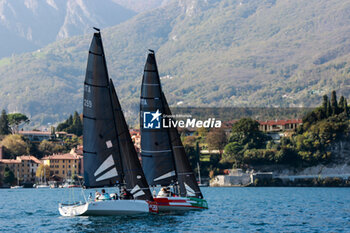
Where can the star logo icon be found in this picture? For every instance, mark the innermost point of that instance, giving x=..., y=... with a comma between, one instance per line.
x=156, y=115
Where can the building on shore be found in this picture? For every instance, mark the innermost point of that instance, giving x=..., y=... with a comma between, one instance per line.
x=23, y=167
x=64, y=166
x=136, y=139
x=279, y=125
x=235, y=177
x=37, y=136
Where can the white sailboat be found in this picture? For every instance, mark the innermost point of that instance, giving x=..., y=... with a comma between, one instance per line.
x=17, y=186
x=110, y=158
x=43, y=182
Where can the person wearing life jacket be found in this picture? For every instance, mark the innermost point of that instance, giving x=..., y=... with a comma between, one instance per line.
x=97, y=196
x=104, y=196
x=164, y=192
x=125, y=194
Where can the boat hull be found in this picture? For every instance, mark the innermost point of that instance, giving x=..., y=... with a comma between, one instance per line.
x=106, y=208
x=169, y=204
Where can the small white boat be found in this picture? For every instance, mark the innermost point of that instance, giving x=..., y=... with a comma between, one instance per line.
x=40, y=186
x=17, y=187
x=105, y=208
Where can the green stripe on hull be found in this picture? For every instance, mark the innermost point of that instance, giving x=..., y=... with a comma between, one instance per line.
x=199, y=202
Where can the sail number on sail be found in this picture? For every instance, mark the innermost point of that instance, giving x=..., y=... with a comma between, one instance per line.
x=87, y=103
x=87, y=88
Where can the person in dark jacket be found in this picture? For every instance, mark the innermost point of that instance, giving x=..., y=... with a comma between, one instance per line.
x=125, y=194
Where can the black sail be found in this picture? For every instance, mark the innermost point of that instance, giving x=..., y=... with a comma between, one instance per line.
x=186, y=178
x=135, y=180
x=157, y=158
x=172, y=154
x=102, y=163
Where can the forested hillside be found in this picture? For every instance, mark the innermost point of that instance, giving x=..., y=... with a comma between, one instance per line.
x=210, y=53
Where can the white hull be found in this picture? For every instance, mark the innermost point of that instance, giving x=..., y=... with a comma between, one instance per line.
x=103, y=208
x=42, y=186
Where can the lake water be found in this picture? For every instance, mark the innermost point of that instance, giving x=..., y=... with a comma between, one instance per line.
x=230, y=210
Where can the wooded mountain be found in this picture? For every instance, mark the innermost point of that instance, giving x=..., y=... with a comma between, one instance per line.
x=27, y=25
x=209, y=52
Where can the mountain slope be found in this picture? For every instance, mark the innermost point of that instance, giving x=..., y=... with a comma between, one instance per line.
x=210, y=53
x=27, y=25
x=141, y=5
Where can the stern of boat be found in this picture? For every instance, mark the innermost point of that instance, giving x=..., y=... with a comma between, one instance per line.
x=153, y=207
x=199, y=203
x=169, y=204
x=73, y=210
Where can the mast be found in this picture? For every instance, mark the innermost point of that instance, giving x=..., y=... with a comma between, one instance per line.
x=199, y=173
x=198, y=159
x=102, y=160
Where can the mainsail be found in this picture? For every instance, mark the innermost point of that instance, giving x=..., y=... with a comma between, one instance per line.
x=102, y=161
x=171, y=158
x=134, y=177
x=157, y=158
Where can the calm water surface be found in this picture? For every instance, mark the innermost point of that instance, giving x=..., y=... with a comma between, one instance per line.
x=230, y=210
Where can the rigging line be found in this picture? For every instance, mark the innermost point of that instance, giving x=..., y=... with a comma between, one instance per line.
x=82, y=190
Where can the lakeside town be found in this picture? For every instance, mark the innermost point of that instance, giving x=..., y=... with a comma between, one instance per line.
x=242, y=152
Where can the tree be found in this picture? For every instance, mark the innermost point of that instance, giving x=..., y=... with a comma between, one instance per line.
x=334, y=104
x=72, y=142
x=346, y=108
x=15, y=145
x=4, y=124
x=46, y=147
x=70, y=120
x=57, y=148
x=341, y=104
x=43, y=171
x=202, y=132
x=329, y=109
x=17, y=119
x=217, y=139
x=62, y=126
x=233, y=151
x=77, y=125
x=9, y=177
x=325, y=104
x=190, y=140
x=191, y=154
x=246, y=132
x=72, y=125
